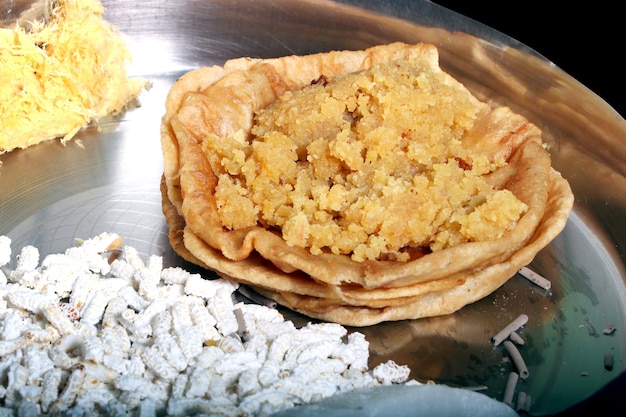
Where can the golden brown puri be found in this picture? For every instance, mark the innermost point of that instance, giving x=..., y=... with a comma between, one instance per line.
x=355, y=186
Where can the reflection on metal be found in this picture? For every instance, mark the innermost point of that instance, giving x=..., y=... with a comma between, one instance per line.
x=109, y=181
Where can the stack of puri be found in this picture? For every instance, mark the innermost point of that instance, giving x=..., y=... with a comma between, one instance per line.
x=331, y=286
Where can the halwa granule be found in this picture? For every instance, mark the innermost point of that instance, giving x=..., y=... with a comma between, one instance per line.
x=368, y=164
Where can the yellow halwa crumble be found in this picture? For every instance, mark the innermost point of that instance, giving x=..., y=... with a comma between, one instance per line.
x=368, y=164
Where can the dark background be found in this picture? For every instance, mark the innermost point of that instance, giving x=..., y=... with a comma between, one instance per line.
x=585, y=39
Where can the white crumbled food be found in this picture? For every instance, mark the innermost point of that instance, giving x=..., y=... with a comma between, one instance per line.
x=99, y=331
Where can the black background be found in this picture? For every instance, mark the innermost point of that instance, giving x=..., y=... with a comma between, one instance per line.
x=585, y=39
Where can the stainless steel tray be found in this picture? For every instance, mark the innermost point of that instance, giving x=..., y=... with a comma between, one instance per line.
x=108, y=180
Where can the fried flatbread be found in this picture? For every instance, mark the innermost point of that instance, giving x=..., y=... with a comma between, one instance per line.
x=475, y=285
x=256, y=271
x=357, y=306
x=223, y=100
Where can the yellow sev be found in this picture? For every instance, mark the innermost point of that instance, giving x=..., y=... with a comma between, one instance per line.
x=61, y=74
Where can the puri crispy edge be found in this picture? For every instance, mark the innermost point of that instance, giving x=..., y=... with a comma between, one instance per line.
x=333, y=287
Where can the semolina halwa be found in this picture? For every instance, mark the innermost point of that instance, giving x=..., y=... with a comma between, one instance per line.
x=294, y=176
x=367, y=164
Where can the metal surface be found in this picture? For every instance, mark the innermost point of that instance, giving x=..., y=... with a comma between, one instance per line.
x=108, y=180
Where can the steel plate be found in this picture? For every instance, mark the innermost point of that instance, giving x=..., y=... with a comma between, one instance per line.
x=108, y=180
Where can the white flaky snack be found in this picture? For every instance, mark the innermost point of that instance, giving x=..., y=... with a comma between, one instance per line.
x=97, y=330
